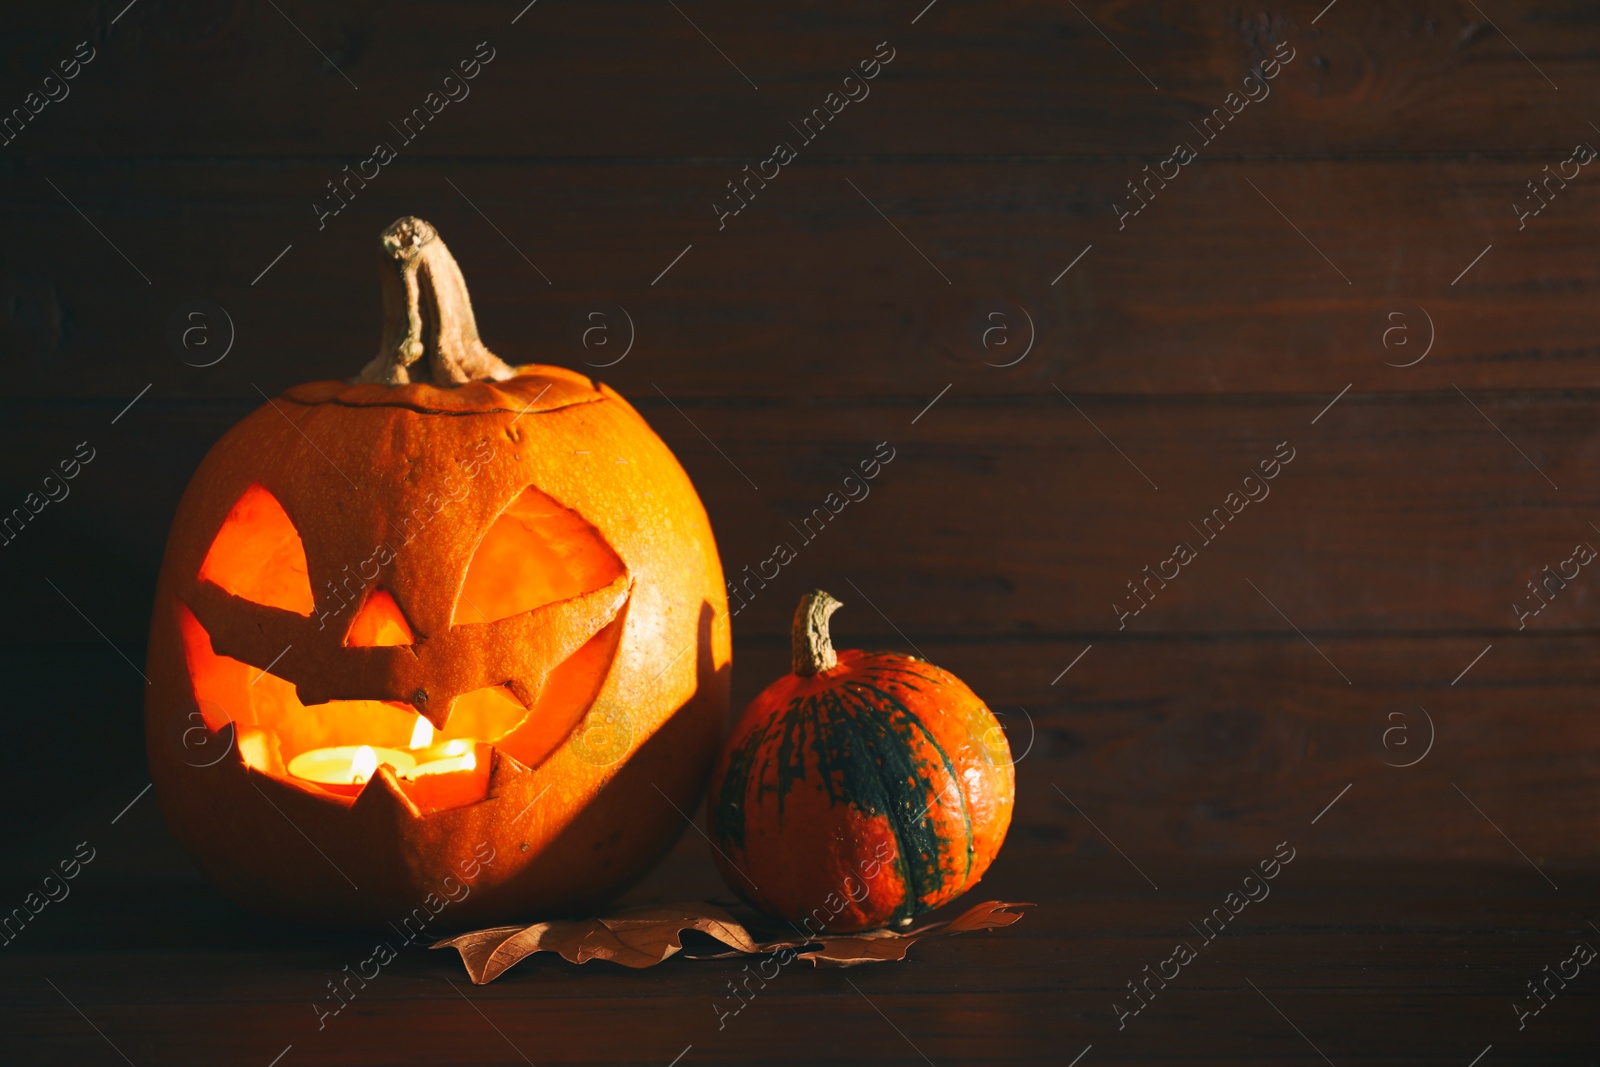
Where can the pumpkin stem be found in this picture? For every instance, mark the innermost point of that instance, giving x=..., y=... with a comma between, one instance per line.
x=811, y=648
x=429, y=333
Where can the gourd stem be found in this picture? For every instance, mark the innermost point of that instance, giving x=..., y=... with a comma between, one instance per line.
x=429, y=332
x=811, y=647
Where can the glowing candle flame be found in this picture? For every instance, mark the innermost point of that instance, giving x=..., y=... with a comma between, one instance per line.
x=421, y=734
x=457, y=747
x=362, y=764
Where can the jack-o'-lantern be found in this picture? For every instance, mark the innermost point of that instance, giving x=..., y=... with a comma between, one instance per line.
x=450, y=635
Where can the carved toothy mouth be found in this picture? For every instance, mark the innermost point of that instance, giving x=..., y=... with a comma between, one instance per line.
x=536, y=623
x=273, y=724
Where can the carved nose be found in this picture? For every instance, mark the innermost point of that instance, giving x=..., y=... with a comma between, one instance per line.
x=435, y=709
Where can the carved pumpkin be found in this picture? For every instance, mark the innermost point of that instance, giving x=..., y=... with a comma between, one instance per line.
x=860, y=790
x=444, y=634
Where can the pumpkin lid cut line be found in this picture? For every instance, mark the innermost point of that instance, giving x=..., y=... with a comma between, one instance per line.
x=407, y=398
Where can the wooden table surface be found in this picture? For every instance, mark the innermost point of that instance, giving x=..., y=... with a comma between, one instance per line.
x=1347, y=962
x=1351, y=270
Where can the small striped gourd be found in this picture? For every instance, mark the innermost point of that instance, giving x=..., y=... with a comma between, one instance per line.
x=860, y=790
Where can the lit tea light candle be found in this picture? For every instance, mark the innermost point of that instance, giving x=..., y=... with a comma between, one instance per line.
x=454, y=756
x=345, y=765
x=346, y=769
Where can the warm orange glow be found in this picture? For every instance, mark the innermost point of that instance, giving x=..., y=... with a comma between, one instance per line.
x=421, y=734
x=379, y=622
x=348, y=765
x=258, y=555
x=448, y=782
x=537, y=552
x=487, y=713
x=319, y=746
x=226, y=688
x=561, y=704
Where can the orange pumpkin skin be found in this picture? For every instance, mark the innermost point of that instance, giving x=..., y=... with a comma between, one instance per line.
x=861, y=795
x=621, y=721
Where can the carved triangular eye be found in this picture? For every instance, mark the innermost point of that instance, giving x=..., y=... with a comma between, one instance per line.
x=379, y=622
x=258, y=555
x=536, y=553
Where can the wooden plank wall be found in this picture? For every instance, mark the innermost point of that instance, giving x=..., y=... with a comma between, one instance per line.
x=963, y=213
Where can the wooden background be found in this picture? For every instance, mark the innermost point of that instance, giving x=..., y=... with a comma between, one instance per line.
x=1372, y=191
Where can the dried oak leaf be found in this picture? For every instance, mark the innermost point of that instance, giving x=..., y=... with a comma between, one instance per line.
x=877, y=946
x=635, y=937
x=644, y=936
